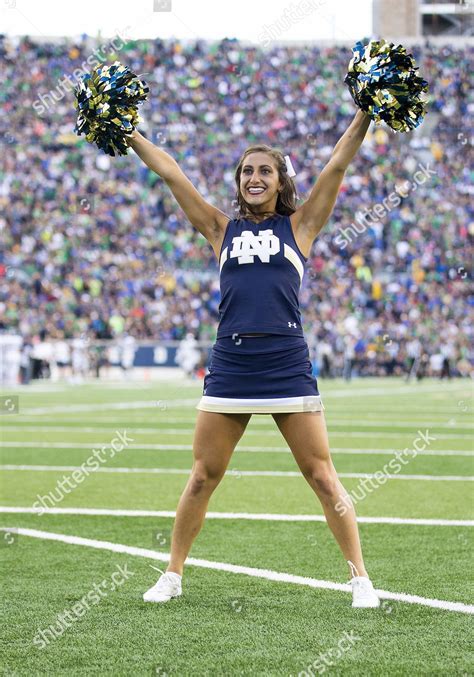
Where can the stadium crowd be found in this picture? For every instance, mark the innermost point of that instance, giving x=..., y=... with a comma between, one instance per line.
x=96, y=247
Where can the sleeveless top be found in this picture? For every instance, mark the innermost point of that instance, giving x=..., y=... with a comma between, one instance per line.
x=261, y=269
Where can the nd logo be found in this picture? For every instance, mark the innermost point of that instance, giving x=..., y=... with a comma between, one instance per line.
x=248, y=245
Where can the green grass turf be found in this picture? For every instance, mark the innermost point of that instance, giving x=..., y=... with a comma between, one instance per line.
x=228, y=624
x=449, y=500
x=241, y=460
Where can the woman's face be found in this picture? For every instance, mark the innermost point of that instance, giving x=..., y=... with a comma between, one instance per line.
x=259, y=181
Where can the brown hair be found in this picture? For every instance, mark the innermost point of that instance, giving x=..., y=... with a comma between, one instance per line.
x=286, y=201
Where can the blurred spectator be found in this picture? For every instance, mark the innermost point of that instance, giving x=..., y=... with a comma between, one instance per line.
x=188, y=355
x=79, y=359
x=349, y=355
x=414, y=350
x=62, y=356
x=25, y=363
x=10, y=358
x=96, y=246
x=128, y=347
x=447, y=353
x=325, y=354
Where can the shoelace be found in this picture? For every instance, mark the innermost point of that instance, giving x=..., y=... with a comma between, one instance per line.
x=353, y=568
x=164, y=573
x=363, y=582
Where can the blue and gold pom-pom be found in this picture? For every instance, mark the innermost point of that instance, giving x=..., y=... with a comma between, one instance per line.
x=107, y=102
x=384, y=83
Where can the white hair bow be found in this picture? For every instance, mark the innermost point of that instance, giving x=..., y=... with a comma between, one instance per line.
x=289, y=167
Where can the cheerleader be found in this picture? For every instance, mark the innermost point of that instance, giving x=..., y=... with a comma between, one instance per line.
x=260, y=361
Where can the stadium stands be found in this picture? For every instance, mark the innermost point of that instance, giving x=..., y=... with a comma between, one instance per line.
x=96, y=246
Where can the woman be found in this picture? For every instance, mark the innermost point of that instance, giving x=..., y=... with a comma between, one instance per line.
x=260, y=359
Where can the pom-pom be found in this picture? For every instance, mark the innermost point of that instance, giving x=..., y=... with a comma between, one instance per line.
x=384, y=83
x=107, y=102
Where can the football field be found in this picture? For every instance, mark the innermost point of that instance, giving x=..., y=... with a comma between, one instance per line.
x=91, y=476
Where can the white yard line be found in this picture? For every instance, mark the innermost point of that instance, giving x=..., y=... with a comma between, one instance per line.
x=34, y=388
x=347, y=392
x=265, y=517
x=188, y=447
x=390, y=452
x=266, y=574
x=110, y=406
x=271, y=430
x=232, y=473
x=382, y=433
x=257, y=420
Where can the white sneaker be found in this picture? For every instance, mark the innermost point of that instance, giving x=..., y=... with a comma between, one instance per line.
x=167, y=587
x=363, y=593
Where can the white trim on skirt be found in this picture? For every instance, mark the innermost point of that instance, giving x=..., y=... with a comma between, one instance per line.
x=271, y=405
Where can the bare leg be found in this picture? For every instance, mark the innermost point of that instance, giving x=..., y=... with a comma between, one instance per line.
x=307, y=438
x=215, y=438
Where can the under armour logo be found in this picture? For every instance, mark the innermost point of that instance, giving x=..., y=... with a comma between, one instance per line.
x=248, y=245
x=292, y=324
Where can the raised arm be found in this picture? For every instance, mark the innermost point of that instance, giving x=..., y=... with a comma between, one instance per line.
x=311, y=216
x=208, y=220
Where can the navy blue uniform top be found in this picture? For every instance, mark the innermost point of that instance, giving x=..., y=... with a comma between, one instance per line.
x=261, y=269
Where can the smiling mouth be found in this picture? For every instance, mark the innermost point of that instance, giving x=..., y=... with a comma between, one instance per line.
x=256, y=191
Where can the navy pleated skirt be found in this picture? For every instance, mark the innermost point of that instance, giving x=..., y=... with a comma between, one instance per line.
x=260, y=375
